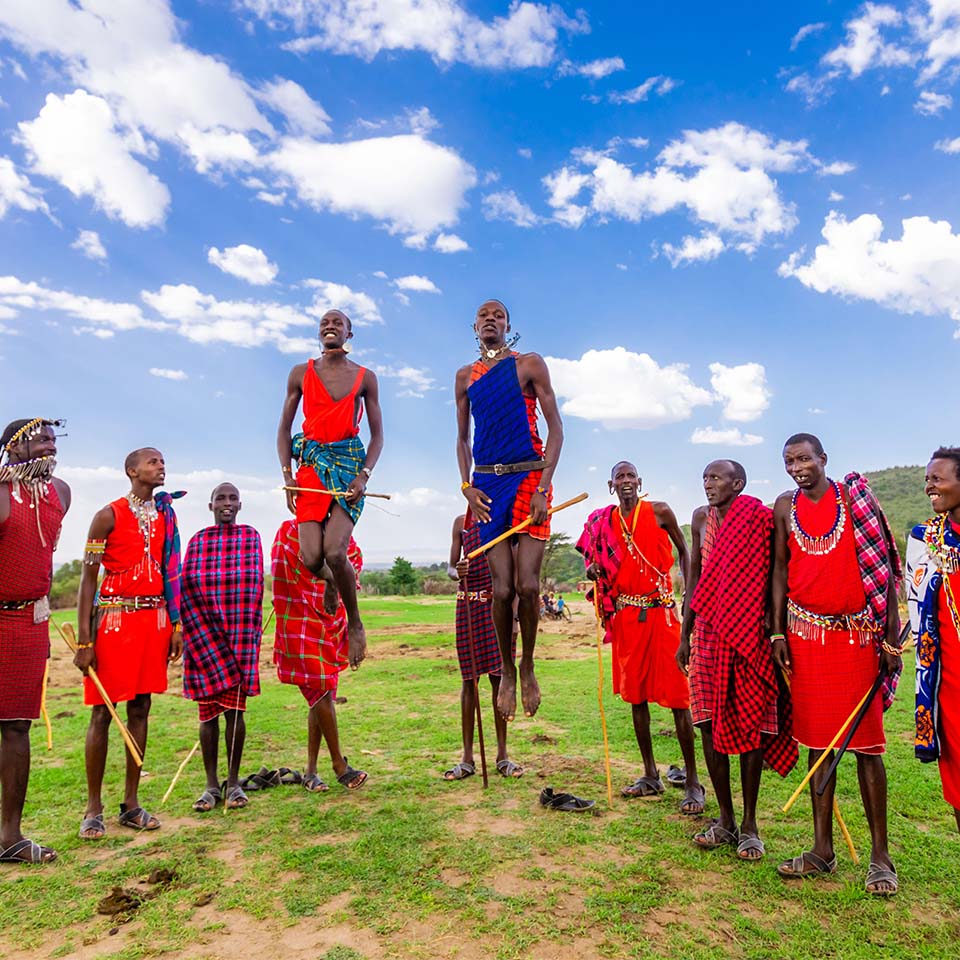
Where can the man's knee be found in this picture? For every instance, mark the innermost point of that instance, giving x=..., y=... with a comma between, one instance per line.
x=528, y=588
x=139, y=707
x=336, y=557
x=503, y=591
x=15, y=729
x=100, y=717
x=312, y=555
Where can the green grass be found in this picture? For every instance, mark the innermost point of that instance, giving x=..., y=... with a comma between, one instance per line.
x=414, y=867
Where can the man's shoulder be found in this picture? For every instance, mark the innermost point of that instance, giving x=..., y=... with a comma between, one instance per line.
x=700, y=515
x=783, y=501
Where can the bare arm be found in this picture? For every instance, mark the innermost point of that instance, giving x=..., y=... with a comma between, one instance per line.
x=100, y=529
x=456, y=548
x=778, y=580
x=4, y=505
x=371, y=399
x=284, y=442
x=477, y=499
x=667, y=520
x=696, y=560
x=63, y=492
x=538, y=377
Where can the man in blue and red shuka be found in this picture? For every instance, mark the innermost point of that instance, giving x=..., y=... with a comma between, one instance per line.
x=222, y=627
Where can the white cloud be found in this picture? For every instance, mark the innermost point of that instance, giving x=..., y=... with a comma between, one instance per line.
x=525, y=152
x=409, y=183
x=659, y=85
x=805, y=31
x=413, y=381
x=101, y=333
x=417, y=284
x=835, y=197
x=165, y=374
x=948, y=146
x=865, y=46
x=506, y=205
x=17, y=191
x=706, y=247
x=526, y=37
x=930, y=104
x=595, y=69
x=303, y=115
x=75, y=141
x=641, y=143
x=422, y=121
x=836, y=169
x=919, y=273
x=729, y=438
x=742, y=390
x=450, y=243
x=619, y=388
x=360, y=307
x=213, y=150
x=89, y=244
x=720, y=176
x=940, y=32
x=246, y=262
x=203, y=318
x=274, y=199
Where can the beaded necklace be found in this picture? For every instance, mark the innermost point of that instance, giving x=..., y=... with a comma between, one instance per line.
x=947, y=557
x=146, y=513
x=824, y=544
x=663, y=576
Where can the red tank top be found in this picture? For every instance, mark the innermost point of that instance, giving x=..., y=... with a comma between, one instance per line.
x=26, y=563
x=327, y=420
x=831, y=583
x=479, y=368
x=640, y=572
x=129, y=572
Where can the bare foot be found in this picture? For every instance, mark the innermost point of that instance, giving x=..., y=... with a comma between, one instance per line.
x=356, y=644
x=507, y=697
x=331, y=597
x=529, y=690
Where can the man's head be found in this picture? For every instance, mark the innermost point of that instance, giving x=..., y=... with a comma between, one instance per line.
x=335, y=330
x=942, y=484
x=24, y=440
x=146, y=466
x=225, y=503
x=723, y=482
x=625, y=482
x=804, y=460
x=492, y=322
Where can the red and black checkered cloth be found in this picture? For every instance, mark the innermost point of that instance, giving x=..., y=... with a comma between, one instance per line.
x=222, y=611
x=486, y=651
x=730, y=599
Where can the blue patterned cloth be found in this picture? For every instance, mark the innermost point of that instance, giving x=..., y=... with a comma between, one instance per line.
x=336, y=464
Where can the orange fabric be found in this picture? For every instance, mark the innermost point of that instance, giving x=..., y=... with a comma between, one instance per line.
x=131, y=647
x=949, y=699
x=829, y=584
x=644, y=664
x=327, y=420
x=528, y=486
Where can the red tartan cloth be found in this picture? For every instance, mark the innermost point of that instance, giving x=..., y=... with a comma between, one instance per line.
x=310, y=648
x=486, y=650
x=211, y=707
x=730, y=600
x=703, y=649
x=26, y=567
x=948, y=704
x=222, y=611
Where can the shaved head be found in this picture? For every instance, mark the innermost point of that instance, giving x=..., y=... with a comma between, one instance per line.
x=225, y=485
x=623, y=463
x=134, y=458
x=342, y=315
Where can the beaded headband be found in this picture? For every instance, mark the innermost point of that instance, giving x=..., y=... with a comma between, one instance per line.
x=30, y=430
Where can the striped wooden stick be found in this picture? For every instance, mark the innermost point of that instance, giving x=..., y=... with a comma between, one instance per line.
x=520, y=527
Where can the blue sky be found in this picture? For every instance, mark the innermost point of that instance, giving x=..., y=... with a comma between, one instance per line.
x=720, y=225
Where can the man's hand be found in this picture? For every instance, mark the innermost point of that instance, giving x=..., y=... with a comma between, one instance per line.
x=176, y=646
x=683, y=656
x=463, y=567
x=291, y=496
x=890, y=662
x=84, y=659
x=479, y=504
x=538, y=509
x=593, y=571
x=781, y=655
x=356, y=650
x=357, y=488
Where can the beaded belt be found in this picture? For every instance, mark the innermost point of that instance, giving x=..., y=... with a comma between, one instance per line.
x=482, y=595
x=18, y=604
x=646, y=602
x=129, y=604
x=501, y=468
x=811, y=626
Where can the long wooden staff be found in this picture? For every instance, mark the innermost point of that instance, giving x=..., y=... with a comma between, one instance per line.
x=180, y=770
x=832, y=769
x=338, y=493
x=476, y=681
x=43, y=705
x=836, y=809
x=520, y=527
x=70, y=639
x=830, y=746
x=603, y=718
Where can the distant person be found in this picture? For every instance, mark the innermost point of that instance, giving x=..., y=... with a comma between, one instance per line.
x=726, y=654
x=835, y=626
x=136, y=625
x=311, y=649
x=332, y=461
x=222, y=628
x=475, y=602
x=33, y=503
x=933, y=569
x=506, y=476
x=560, y=604
x=627, y=551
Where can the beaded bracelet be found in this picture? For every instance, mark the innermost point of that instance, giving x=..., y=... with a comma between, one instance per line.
x=891, y=649
x=85, y=646
x=777, y=636
x=466, y=485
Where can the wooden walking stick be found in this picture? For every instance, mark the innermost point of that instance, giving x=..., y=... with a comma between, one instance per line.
x=520, y=527
x=338, y=493
x=603, y=718
x=70, y=639
x=476, y=680
x=43, y=705
x=180, y=770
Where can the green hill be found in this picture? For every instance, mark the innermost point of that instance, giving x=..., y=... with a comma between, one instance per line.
x=900, y=492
